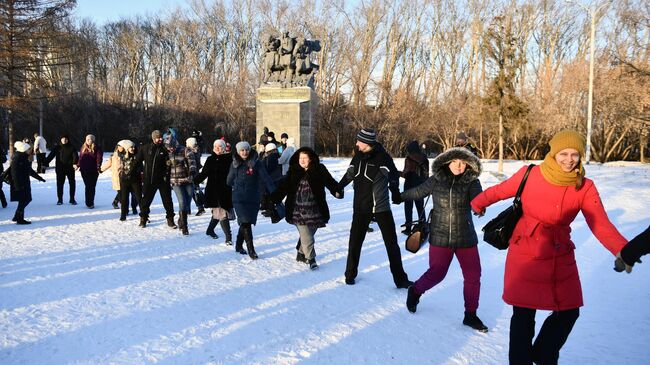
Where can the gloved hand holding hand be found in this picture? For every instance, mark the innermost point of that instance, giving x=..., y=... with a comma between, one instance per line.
x=397, y=198
x=339, y=194
x=478, y=214
x=620, y=265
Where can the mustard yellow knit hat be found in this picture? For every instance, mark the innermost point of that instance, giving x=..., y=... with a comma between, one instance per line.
x=567, y=139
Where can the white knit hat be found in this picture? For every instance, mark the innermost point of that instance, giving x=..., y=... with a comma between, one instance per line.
x=21, y=146
x=270, y=147
x=190, y=142
x=126, y=144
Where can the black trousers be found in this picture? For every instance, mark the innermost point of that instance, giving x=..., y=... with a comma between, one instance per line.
x=358, y=230
x=165, y=195
x=61, y=175
x=90, y=181
x=40, y=163
x=127, y=187
x=550, y=339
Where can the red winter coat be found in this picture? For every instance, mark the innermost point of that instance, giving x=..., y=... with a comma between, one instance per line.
x=541, y=270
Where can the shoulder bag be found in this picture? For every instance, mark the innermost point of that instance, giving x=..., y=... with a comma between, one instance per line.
x=498, y=231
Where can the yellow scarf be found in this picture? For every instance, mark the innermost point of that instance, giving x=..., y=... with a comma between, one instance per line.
x=554, y=174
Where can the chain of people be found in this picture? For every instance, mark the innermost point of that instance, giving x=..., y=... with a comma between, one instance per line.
x=283, y=181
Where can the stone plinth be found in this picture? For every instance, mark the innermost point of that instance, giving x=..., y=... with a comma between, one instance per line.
x=287, y=110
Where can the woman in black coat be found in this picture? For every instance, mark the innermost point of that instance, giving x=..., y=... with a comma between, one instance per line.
x=21, y=190
x=218, y=195
x=3, y=159
x=452, y=186
x=306, y=206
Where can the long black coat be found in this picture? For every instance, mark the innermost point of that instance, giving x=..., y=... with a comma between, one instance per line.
x=21, y=170
x=217, y=193
x=318, y=178
x=451, y=223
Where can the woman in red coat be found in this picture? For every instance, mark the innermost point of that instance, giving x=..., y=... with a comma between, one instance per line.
x=541, y=271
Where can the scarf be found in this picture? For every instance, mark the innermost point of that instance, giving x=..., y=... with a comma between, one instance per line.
x=553, y=173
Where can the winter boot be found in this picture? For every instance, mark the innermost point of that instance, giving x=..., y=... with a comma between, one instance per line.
x=211, y=227
x=248, y=237
x=240, y=242
x=3, y=199
x=15, y=218
x=143, y=222
x=200, y=212
x=473, y=321
x=225, y=227
x=20, y=218
x=412, y=299
x=184, y=227
x=312, y=264
x=170, y=222
x=300, y=257
x=115, y=204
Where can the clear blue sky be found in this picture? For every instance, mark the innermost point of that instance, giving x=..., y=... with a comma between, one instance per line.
x=103, y=11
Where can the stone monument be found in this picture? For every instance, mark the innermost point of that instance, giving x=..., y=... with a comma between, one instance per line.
x=286, y=101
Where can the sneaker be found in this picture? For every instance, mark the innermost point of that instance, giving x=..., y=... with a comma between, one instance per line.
x=73, y=202
x=404, y=284
x=349, y=281
x=312, y=264
x=474, y=322
x=412, y=300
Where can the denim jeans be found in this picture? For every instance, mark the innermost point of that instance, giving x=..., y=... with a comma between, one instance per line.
x=184, y=196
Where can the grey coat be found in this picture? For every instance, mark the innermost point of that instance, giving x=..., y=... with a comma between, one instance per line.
x=451, y=221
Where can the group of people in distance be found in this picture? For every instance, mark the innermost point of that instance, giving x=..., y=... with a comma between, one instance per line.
x=540, y=272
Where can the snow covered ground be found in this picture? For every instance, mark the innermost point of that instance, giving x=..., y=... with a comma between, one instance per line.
x=80, y=287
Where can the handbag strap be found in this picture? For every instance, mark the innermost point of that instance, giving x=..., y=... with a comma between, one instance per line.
x=523, y=182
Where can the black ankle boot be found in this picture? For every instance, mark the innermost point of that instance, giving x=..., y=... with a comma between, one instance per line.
x=183, y=218
x=211, y=226
x=20, y=218
x=473, y=321
x=412, y=299
x=170, y=223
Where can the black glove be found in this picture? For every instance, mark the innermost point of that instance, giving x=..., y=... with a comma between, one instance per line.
x=632, y=252
x=339, y=194
x=397, y=198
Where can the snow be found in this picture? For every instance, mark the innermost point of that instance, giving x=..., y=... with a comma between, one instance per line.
x=80, y=287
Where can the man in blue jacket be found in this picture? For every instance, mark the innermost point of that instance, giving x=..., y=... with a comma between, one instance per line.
x=374, y=173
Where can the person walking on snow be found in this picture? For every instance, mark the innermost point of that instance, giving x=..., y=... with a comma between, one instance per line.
x=374, y=173
x=65, y=166
x=541, y=270
x=21, y=190
x=452, y=185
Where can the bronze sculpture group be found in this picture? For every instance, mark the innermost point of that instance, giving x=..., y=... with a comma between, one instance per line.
x=287, y=60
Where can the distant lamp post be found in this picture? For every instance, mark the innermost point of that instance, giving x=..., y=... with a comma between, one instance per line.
x=593, y=14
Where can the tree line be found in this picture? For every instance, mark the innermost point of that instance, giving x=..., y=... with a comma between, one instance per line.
x=418, y=69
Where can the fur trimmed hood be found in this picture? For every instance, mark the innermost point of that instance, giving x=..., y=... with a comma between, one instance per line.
x=439, y=166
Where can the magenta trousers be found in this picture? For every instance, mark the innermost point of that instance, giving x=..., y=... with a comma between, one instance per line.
x=439, y=261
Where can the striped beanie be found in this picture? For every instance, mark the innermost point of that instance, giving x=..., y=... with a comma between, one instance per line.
x=367, y=136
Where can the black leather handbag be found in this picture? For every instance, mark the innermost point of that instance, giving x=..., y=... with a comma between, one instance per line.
x=419, y=233
x=498, y=231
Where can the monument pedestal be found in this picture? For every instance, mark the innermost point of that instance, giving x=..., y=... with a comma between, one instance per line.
x=286, y=110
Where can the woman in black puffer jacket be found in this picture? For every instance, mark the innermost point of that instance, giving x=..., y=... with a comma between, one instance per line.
x=452, y=186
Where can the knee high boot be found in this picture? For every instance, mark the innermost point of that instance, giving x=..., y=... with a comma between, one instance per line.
x=211, y=226
x=248, y=237
x=225, y=226
x=240, y=241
